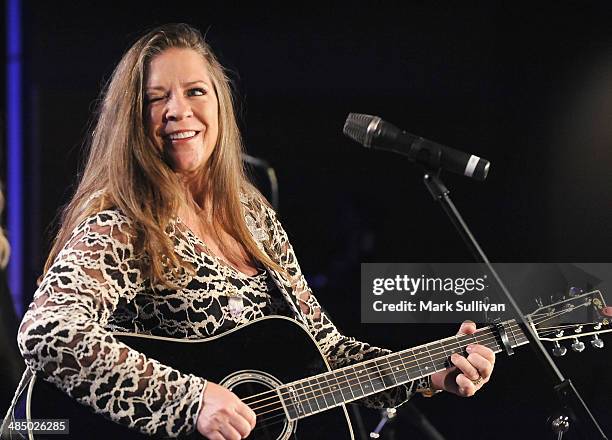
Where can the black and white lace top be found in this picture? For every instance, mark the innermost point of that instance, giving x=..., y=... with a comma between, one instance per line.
x=216, y=299
x=95, y=287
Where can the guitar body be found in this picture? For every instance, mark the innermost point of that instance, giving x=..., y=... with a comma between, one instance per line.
x=257, y=357
x=276, y=367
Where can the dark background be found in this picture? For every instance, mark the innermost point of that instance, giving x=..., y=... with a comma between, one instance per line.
x=528, y=87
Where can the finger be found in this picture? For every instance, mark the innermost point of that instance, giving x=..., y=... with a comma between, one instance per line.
x=229, y=433
x=485, y=352
x=482, y=365
x=467, y=328
x=464, y=365
x=215, y=436
x=240, y=424
x=248, y=414
x=465, y=385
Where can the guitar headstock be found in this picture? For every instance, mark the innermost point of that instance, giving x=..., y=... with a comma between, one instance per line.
x=579, y=316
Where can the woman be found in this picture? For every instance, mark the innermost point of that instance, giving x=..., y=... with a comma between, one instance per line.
x=165, y=236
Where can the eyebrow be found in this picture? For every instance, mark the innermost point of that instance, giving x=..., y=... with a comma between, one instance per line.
x=184, y=84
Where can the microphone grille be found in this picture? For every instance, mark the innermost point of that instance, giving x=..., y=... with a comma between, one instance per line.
x=356, y=127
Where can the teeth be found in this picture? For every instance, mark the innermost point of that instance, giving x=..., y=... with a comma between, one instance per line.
x=182, y=135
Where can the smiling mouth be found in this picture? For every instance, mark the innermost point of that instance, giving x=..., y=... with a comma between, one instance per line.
x=182, y=135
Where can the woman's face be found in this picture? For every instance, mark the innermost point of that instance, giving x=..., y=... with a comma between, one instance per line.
x=181, y=112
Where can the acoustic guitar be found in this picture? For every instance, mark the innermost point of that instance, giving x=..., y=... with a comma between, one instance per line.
x=274, y=365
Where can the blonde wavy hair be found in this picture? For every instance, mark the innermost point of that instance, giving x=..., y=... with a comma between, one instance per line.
x=5, y=248
x=130, y=174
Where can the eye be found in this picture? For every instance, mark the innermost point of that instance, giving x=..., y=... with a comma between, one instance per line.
x=197, y=91
x=152, y=99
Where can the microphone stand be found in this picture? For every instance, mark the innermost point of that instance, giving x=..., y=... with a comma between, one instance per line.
x=565, y=390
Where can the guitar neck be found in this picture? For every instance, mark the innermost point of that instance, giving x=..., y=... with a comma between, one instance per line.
x=324, y=391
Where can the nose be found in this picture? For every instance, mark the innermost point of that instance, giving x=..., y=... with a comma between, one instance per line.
x=177, y=108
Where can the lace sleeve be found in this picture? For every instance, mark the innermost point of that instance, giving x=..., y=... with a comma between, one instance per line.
x=338, y=349
x=63, y=338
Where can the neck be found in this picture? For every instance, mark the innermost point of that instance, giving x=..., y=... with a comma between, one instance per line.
x=317, y=393
x=193, y=186
x=193, y=182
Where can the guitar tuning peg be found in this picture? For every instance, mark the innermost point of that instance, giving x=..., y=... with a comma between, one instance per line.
x=597, y=342
x=558, y=350
x=559, y=333
x=577, y=345
x=597, y=326
x=538, y=301
x=578, y=329
x=574, y=291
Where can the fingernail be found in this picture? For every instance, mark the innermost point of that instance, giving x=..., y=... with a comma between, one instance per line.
x=469, y=348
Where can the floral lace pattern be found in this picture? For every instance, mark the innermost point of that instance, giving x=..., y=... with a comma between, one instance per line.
x=95, y=287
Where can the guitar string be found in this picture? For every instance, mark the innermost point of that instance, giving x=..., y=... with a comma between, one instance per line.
x=564, y=326
x=548, y=316
x=282, y=412
x=553, y=329
x=511, y=328
x=274, y=393
x=323, y=394
x=351, y=382
x=281, y=419
x=395, y=363
x=339, y=370
x=568, y=325
x=557, y=313
x=376, y=366
x=307, y=396
x=334, y=385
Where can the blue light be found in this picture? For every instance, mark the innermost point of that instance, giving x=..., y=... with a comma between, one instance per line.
x=14, y=205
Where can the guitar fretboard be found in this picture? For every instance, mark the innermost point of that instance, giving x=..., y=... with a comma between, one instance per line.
x=319, y=393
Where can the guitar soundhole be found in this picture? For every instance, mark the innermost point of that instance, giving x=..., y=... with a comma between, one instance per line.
x=257, y=389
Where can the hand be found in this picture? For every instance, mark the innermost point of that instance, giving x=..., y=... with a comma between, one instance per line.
x=223, y=415
x=477, y=366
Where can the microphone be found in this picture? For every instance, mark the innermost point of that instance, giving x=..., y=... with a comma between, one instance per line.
x=373, y=132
